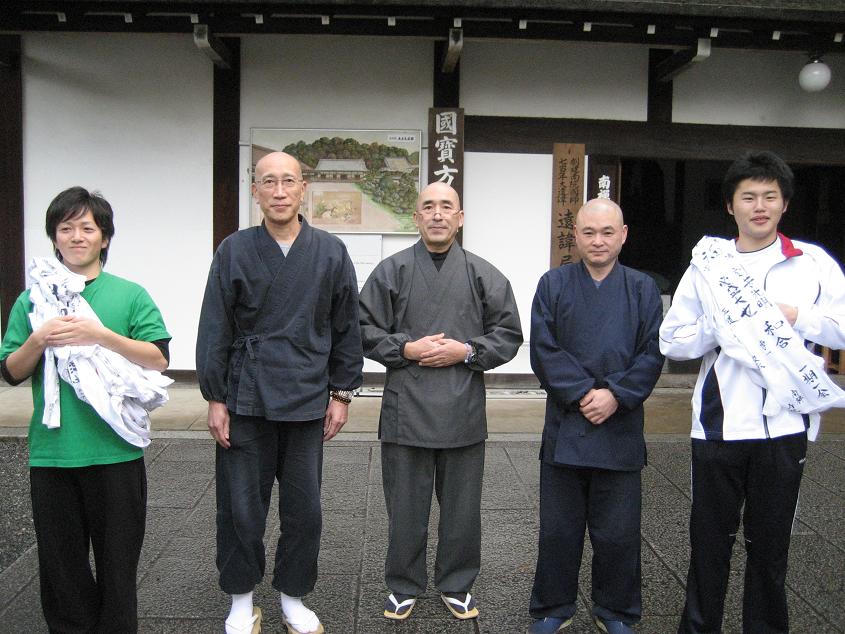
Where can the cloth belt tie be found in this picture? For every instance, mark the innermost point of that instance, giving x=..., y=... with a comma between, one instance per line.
x=247, y=341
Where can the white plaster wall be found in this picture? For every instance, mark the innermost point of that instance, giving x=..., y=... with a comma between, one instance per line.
x=131, y=116
x=301, y=81
x=554, y=79
x=507, y=221
x=336, y=82
x=735, y=87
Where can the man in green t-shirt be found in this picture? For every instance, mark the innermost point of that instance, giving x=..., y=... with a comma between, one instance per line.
x=88, y=485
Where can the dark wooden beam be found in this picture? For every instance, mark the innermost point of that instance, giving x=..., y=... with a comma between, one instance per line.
x=226, y=143
x=447, y=94
x=637, y=139
x=212, y=47
x=678, y=62
x=11, y=174
x=785, y=9
x=675, y=24
x=660, y=93
x=454, y=46
x=447, y=86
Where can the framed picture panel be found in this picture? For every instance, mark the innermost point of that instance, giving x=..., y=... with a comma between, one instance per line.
x=359, y=181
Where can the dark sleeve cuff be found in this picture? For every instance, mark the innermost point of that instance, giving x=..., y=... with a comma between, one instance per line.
x=576, y=404
x=164, y=346
x=4, y=371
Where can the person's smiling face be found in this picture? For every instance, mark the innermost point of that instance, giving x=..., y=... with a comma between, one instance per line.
x=438, y=216
x=79, y=240
x=599, y=234
x=757, y=207
x=278, y=188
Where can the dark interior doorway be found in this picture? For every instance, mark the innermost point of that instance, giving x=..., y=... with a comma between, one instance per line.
x=670, y=204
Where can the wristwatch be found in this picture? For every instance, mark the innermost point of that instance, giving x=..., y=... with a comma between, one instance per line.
x=341, y=396
x=472, y=355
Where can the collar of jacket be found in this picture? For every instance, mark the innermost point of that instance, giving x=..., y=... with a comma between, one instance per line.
x=787, y=248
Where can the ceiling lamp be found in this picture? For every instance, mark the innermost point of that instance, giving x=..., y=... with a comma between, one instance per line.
x=815, y=75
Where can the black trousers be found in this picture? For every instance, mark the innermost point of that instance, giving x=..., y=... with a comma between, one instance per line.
x=263, y=451
x=408, y=475
x=102, y=507
x=765, y=476
x=608, y=504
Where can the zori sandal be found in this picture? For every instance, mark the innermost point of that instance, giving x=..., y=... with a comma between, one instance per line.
x=460, y=604
x=398, y=610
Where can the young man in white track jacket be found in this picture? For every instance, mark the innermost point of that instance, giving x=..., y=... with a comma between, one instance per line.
x=749, y=308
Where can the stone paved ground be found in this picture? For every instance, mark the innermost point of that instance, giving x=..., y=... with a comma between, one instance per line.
x=178, y=590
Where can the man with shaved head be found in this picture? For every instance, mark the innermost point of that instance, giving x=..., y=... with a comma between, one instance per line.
x=594, y=347
x=437, y=317
x=278, y=355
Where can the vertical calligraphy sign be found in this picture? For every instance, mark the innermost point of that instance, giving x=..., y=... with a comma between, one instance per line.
x=446, y=147
x=604, y=174
x=567, y=198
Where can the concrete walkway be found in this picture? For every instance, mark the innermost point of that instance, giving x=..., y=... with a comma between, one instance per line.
x=177, y=582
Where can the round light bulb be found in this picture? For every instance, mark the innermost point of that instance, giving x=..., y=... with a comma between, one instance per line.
x=815, y=76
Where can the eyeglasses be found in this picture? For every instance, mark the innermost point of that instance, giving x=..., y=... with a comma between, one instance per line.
x=270, y=183
x=443, y=211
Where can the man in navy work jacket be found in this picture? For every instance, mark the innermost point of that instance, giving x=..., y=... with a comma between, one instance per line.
x=278, y=355
x=594, y=348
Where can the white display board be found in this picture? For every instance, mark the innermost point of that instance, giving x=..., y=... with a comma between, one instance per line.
x=364, y=251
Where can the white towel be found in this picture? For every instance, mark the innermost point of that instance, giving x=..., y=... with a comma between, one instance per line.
x=751, y=329
x=121, y=392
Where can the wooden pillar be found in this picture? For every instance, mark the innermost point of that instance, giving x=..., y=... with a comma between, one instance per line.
x=11, y=174
x=226, y=152
x=659, y=108
x=446, y=94
x=447, y=86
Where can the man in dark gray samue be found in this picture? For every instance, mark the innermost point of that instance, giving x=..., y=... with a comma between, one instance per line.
x=278, y=355
x=594, y=348
x=437, y=317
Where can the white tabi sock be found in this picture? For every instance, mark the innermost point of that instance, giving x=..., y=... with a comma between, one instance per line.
x=299, y=617
x=241, y=613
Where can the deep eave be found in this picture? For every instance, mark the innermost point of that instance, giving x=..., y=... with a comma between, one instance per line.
x=809, y=25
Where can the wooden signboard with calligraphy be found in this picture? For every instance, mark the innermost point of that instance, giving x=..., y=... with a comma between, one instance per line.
x=446, y=147
x=604, y=175
x=567, y=198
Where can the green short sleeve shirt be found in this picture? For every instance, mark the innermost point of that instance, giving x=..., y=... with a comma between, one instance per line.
x=84, y=439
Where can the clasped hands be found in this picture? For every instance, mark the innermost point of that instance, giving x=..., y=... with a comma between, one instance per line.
x=435, y=351
x=598, y=405
x=71, y=330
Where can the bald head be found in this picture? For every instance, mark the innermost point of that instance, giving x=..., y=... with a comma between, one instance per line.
x=600, y=232
x=278, y=189
x=438, y=191
x=438, y=216
x=601, y=206
x=278, y=163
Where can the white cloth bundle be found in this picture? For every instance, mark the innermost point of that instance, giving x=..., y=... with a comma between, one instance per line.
x=752, y=329
x=121, y=392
